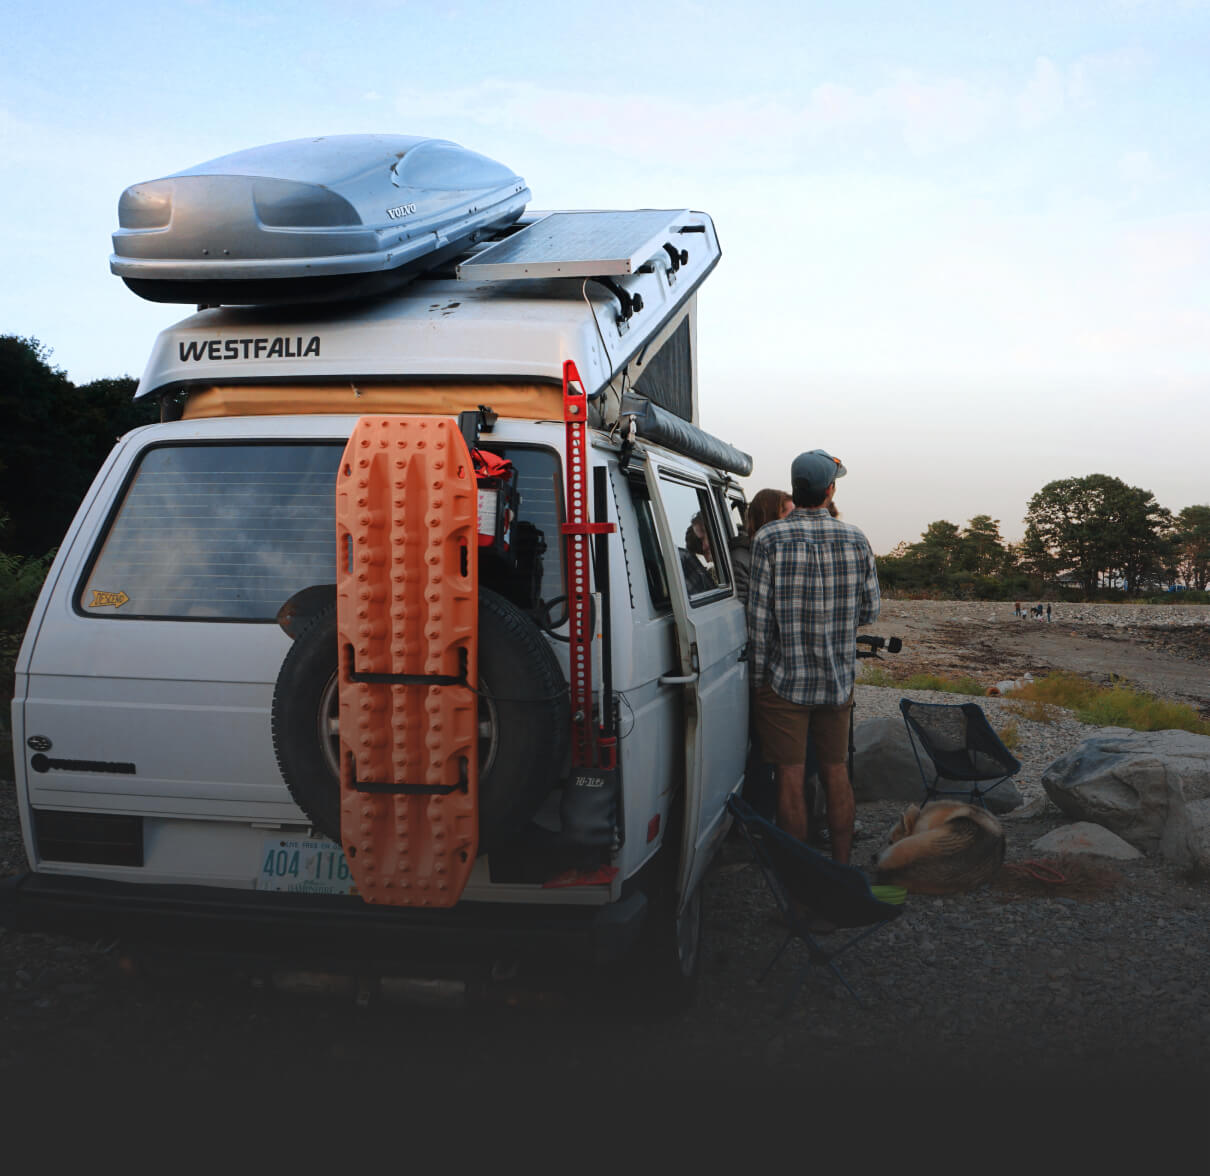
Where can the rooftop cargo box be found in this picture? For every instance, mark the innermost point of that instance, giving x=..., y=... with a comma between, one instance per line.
x=309, y=220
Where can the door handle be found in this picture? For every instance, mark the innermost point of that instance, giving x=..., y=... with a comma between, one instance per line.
x=676, y=679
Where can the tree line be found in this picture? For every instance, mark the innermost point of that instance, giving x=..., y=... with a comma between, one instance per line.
x=1087, y=536
x=54, y=437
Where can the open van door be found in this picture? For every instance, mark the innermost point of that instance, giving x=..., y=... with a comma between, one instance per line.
x=711, y=634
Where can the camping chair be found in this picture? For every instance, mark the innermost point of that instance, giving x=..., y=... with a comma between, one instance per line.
x=962, y=746
x=809, y=887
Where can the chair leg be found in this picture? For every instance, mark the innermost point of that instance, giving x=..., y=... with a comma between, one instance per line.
x=840, y=976
x=773, y=962
x=817, y=955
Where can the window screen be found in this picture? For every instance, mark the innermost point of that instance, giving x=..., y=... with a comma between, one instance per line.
x=218, y=531
x=667, y=377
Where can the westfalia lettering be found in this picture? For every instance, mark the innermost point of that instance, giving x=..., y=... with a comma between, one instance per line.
x=277, y=347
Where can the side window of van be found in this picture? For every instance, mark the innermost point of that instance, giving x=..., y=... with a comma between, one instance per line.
x=219, y=532
x=649, y=541
x=735, y=510
x=700, y=545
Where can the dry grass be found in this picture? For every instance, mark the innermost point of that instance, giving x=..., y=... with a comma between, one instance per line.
x=1010, y=735
x=942, y=683
x=1117, y=705
x=1034, y=711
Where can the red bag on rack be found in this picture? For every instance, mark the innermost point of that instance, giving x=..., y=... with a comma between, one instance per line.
x=499, y=498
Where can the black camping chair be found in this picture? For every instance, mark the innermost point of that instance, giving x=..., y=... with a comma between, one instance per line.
x=968, y=759
x=811, y=889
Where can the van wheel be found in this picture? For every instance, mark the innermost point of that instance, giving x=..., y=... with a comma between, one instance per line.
x=670, y=952
x=524, y=720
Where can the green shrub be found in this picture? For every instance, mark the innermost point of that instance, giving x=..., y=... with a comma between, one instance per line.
x=1117, y=705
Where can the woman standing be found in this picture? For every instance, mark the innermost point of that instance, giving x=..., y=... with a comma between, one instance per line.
x=766, y=506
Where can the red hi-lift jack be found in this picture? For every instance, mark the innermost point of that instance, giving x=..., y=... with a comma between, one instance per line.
x=590, y=794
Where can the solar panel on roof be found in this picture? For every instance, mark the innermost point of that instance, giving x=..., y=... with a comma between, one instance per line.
x=578, y=245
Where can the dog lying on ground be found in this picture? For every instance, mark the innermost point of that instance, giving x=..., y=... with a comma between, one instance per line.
x=942, y=848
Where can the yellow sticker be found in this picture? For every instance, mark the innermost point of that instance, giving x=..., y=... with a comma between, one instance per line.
x=108, y=599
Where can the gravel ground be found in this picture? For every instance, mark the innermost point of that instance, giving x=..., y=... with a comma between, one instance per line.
x=1082, y=995
x=1096, y=976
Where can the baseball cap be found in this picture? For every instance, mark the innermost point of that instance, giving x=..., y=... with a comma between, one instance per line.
x=817, y=468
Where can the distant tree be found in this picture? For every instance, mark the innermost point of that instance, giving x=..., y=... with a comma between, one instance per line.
x=1097, y=526
x=1191, y=540
x=951, y=561
x=983, y=551
x=54, y=439
x=939, y=549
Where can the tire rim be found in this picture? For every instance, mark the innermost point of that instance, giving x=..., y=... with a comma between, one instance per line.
x=328, y=729
x=489, y=732
x=689, y=933
x=328, y=724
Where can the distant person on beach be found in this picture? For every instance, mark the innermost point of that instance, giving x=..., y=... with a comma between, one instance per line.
x=1048, y=612
x=1017, y=609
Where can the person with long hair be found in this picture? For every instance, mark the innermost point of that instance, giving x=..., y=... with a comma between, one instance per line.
x=765, y=506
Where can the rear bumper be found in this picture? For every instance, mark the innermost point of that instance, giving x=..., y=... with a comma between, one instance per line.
x=316, y=928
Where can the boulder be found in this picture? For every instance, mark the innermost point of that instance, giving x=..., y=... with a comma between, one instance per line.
x=1151, y=788
x=1086, y=839
x=885, y=767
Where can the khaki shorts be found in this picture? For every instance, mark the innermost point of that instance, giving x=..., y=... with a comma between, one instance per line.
x=782, y=727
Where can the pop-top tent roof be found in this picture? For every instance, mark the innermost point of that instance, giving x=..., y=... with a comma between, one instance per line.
x=441, y=327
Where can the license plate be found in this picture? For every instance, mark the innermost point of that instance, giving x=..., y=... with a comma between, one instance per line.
x=304, y=866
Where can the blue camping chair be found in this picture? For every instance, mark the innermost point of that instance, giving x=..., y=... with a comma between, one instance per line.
x=968, y=758
x=811, y=889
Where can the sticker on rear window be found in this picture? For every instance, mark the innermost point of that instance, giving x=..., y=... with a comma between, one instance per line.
x=108, y=599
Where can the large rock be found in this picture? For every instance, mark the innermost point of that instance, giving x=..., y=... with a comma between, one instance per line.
x=1085, y=838
x=1151, y=788
x=885, y=768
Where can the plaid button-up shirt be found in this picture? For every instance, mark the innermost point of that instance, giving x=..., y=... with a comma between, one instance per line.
x=813, y=581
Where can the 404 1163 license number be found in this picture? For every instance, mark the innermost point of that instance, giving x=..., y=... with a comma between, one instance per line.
x=305, y=866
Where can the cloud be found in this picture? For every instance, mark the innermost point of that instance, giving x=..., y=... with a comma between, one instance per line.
x=1044, y=96
x=1052, y=90
x=22, y=140
x=1136, y=167
x=769, y=131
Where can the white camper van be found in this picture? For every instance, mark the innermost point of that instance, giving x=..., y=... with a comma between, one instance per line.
x=409, y=634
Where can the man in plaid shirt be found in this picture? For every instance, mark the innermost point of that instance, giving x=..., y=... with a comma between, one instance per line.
x=813, y=582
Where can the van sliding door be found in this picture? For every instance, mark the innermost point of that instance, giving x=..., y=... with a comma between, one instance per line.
x=711, y=637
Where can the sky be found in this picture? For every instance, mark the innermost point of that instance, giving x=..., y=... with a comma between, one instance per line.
x=966, y=245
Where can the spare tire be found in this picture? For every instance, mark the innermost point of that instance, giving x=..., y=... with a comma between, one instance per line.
x=524, y=720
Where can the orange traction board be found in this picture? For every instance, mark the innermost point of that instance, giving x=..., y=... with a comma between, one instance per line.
x=407, y=624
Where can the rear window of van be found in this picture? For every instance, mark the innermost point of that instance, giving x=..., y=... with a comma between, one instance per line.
x=230, y=532
x=226, y=532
